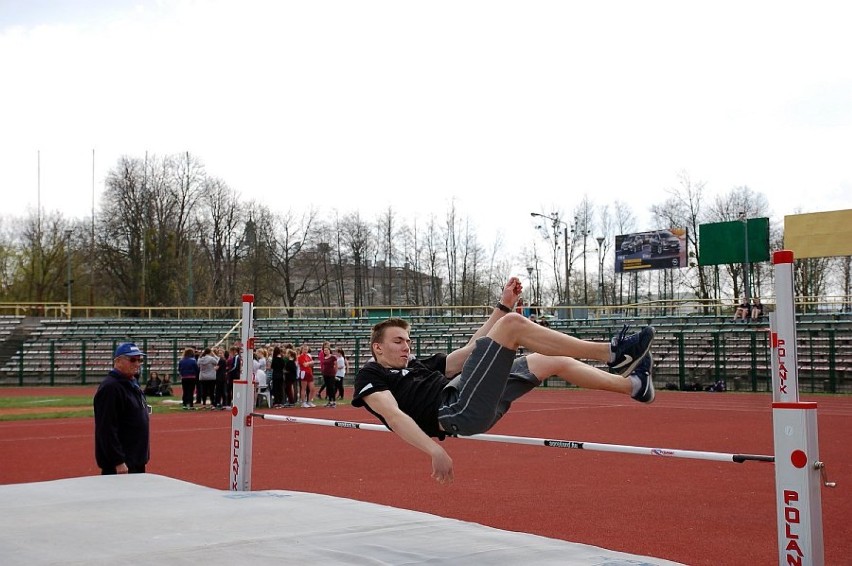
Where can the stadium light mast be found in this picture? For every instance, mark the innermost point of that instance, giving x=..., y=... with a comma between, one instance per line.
x=746, y=266
x=600, y=240
x=68, y=234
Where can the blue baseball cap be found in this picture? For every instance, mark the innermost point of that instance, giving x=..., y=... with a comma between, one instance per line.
x=127, y=349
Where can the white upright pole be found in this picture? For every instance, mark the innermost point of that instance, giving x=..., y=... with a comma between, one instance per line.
x=797, y=464
x=242, y=406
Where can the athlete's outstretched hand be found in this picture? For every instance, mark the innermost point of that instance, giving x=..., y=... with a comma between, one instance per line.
x=512, y=292
x=442, y=466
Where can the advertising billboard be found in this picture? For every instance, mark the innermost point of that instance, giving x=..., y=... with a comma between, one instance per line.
x=722, y=243
x=819, y=234
x=656, y=249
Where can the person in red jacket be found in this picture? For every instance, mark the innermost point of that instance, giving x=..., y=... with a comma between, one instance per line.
x=328, y=367
x=306, y=366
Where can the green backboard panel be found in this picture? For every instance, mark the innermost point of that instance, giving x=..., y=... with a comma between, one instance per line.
x=724, y=242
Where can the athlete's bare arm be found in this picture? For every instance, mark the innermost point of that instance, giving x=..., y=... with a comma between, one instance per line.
x=383, y=403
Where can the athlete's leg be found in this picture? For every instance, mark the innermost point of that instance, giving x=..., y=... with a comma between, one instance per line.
x=623, y=354
x=577, y=373
x=508, y=331
x=513, y=331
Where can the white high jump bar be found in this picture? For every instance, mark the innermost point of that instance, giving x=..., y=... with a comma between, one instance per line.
x=550, y=443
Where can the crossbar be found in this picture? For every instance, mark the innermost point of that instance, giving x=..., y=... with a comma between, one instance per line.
x=550, y=443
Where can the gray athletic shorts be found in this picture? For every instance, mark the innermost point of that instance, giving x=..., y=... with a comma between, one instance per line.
x=482, y=393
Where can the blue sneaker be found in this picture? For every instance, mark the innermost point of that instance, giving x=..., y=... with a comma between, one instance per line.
x=644, y=373
x=629, y=350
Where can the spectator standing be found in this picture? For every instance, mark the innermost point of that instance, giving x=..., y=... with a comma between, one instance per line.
x=220, y=392
x=197, y=376
x=259, y=367
x=122, y=428
x=341, y=372
x=321, y=357
x=306, y=365
x=328, y=367
x=235, y=366
x=291, y=370
x=207, y=364
x=277, y=365
x=188, y=371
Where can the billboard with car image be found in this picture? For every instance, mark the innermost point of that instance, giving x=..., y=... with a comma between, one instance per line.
x=654, y=249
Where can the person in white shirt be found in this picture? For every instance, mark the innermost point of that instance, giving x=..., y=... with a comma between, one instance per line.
x=207, y=375
x=341, y=372
x=259, y=367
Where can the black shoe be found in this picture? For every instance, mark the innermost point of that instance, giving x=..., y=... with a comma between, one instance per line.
x=629, y=350
x=644, y=373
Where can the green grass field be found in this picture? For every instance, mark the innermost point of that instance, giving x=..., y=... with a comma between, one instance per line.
x=24, y=408
x=59, y=406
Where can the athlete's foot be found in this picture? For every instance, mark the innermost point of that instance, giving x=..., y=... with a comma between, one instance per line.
x=642, y=379
x=628, y=350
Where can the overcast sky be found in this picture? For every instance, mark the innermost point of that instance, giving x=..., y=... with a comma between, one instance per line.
x=506, y=107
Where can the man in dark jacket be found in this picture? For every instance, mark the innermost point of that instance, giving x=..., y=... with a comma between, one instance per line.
x=121, y=416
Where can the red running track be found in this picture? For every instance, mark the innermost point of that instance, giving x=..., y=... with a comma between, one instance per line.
x=695, y=512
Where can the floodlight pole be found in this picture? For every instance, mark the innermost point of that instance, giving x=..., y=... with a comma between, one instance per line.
x=567, y=268
x=600, y=240
x=68, y=234
x=746, y=266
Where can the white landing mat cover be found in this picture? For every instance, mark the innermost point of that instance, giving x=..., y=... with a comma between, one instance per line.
x=150, y=519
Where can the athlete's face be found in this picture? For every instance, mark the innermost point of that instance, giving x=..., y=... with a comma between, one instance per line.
x=393, y=350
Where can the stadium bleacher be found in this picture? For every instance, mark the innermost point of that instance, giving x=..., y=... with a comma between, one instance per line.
x=689, y=352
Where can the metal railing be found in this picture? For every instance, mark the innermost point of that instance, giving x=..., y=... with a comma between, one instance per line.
x=662, y=307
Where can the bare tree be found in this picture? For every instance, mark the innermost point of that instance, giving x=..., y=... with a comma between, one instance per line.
x=259, y=242
x=451, y=251
x=740, y=203
x=432, y=251
x=221, y=216
x=339, y=264
x=473, y=290
x=121, y=235
x=10, y=263
x=684, y=208
x=290, y=258
x=357, y=237
x=811, y=278
x=583, y=227
x=386, y=232
x=43, y=255
x=625, y=223
x=495, y=275
x=605, y=238
x=553, y=229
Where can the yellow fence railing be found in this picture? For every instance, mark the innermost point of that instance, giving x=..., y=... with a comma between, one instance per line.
x=663, y=307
